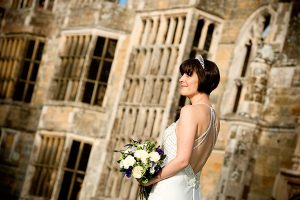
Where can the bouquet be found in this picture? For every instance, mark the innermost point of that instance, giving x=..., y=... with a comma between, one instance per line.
x=141, y=161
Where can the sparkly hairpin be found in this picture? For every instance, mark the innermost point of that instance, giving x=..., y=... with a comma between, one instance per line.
x=201, y=60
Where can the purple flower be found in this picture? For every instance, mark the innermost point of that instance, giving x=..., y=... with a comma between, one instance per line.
x=128, y=172
x=159, y=151
x=157, y=168
x=153, y=163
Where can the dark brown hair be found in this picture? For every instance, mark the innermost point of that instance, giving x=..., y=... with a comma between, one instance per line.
x=209, y=76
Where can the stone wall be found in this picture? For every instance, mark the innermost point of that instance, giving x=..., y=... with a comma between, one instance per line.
x=254, y=142
x=274, y=151
x=13, y=168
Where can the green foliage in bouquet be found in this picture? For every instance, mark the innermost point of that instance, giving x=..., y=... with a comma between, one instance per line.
x=142, y=161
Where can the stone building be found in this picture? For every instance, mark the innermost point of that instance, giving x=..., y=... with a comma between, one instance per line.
x=80, y=78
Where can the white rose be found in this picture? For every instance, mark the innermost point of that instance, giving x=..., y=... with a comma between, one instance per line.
x=121, y=164
x=137, y=172
x=137, y=154
x=154, y=156
x=129, y=161
x=142, y=154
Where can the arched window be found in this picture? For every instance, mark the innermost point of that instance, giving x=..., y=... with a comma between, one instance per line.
x=254, y=31
x=243, y=74
x=266, y=28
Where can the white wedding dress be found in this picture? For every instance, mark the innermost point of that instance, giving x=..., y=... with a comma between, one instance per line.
x=185, y=184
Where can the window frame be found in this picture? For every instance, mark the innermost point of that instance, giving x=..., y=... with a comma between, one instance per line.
x=94, y=33
x=65, y=152
x=35, y=161
x=69, y=138
x=17, y=63
x=63, y=167
x=31, y=62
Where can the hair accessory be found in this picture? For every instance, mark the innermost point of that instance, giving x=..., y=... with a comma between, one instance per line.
x=201, y=60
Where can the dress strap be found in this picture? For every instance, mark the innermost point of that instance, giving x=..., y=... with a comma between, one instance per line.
x=202, y=137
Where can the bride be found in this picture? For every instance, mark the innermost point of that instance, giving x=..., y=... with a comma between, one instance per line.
x=189, y=141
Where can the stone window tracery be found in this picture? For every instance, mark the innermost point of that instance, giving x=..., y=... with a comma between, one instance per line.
x=255, y=34
x=203, y=37
x=46, y=165
x=240, y=81
x=59, y=167
x=39, y=4
x=119, y=2
x=20, y=58
x=75, y=170
x=86, y=61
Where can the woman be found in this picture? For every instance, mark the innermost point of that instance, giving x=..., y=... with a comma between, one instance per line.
x=189, y=141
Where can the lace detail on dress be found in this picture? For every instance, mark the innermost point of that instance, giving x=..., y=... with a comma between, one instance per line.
x=194, y=179
x=170, y=148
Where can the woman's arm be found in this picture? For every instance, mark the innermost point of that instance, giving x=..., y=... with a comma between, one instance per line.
x=187, y=129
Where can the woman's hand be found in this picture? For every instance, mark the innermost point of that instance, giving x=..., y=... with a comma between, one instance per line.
x=151, y=182
x=146, y=184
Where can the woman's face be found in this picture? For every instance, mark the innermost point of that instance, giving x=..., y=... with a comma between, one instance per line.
x=188, y=85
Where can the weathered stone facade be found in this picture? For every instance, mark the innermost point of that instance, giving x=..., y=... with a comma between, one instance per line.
x=80, y=78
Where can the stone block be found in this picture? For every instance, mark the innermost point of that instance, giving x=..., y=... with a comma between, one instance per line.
x=55, y=118
x=262, y=186
x=88, y=122
x=210, y=174
x=223, y=135
x=23, y=117
x=281, y=77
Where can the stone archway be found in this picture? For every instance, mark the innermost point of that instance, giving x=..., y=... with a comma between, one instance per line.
x=250, y=38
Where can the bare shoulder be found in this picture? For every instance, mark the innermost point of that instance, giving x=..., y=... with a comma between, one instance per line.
x=194, y=109
x=187, y=108
x=195, y=113
x=187, y=112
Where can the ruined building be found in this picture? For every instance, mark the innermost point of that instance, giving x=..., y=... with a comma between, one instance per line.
x=80, y=78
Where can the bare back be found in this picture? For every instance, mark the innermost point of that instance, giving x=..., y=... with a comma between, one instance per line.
x=206, y=136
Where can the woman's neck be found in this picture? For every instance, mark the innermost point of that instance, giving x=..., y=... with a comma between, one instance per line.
x=200, y=98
